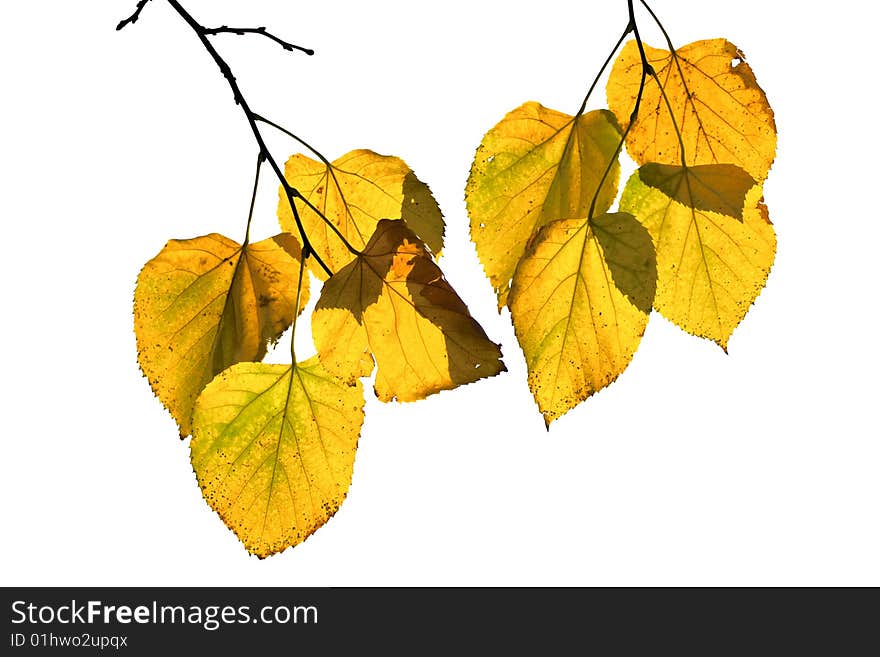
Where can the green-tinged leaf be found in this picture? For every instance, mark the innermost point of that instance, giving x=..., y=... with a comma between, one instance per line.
x=393, y=305
x=273, y=449
x=536, y=166
x=206, y=303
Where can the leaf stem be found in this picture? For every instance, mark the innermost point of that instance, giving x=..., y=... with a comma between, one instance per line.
x=291, y=193
x=687, y=91
x=629, y=28
x=308, y=203
x=647, y=69
x=247, y=230
x=299, y=284
x=333, y=227
x=660, y=25
x=316, y=152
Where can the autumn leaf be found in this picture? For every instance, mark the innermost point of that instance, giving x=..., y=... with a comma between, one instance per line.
x=719, y=188
x=536, y=166
x=393, y=305
x=580, y=302
x=273, y=449
x=721, y=112
x=206, y=303
x=355, y=192
x=714, y=241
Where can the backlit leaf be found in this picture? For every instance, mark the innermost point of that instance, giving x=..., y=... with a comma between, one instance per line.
x=536, y=166
x=203, y=304
x=722, y=113
x=393, y=305
x=355, y=192
x=273, y=449
x=580, y=302
x=714, y=240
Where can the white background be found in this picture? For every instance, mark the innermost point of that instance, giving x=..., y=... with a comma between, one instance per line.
x=760, y=467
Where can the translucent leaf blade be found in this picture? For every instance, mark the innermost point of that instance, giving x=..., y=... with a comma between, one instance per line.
x=535, y=166
x=393, y=305
x=273, y=450
x=354, y=192
x=206, y=303
x=712, y=262
x=723, y=115
x=580, y=302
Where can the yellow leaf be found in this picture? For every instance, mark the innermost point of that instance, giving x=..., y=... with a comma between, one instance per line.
x=203, y=304
x=355, y=192
x=714, y=240
x=580, y=302
x=722, y=113
x=719, y=188
x=536, y=166
x=393, y=304
x=273, y=449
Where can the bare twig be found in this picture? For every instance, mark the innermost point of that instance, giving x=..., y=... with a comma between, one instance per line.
x=647, y=70
x=133, y=18
x=264, y=152
x=261, y=31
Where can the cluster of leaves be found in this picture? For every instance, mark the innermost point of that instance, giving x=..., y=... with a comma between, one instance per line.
x=273, y=446
x=691, y=237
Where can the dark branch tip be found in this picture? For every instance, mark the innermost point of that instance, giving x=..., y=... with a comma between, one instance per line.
x=134, y=17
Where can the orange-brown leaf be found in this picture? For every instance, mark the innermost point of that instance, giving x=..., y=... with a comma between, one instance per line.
x=392, y=304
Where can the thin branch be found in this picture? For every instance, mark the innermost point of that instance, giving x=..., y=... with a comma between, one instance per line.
x=684, y=84
x=311, y=206
x=134, y=17
x=329, y=223
x=261, y=31
x=290, y=192
x=647, y=70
